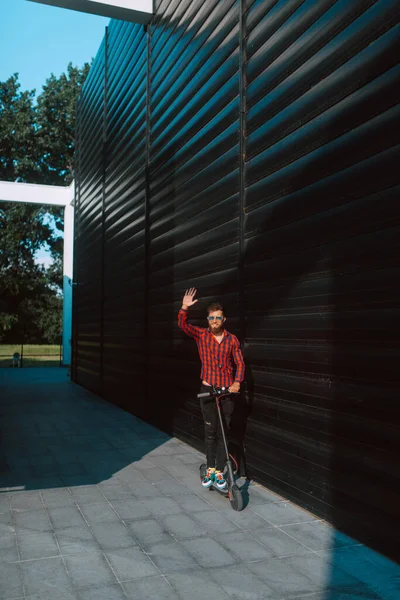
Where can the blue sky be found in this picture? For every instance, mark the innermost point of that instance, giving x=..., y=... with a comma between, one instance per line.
x=37, y=40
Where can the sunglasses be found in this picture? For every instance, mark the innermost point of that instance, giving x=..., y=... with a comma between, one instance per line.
x=216, y=318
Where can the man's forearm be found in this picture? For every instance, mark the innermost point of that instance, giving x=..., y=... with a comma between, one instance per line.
x=184, y=307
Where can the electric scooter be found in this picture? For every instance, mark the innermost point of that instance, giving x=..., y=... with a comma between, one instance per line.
x=232, y=492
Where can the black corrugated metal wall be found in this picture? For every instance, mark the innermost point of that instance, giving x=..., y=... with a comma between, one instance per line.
x=249, y=149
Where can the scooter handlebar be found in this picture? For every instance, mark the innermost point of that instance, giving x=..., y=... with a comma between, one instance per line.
x=216, y=393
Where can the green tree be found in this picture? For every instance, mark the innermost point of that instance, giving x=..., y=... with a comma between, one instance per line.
x=55, y=120
x=36, y=146
x=18, y=147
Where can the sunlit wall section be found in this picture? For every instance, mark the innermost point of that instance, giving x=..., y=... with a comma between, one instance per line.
x=124, y=214
x=88, y=267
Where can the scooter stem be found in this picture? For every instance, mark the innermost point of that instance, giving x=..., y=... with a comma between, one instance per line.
x=225, y=444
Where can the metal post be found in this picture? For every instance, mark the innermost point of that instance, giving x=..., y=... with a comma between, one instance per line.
x=68, y=259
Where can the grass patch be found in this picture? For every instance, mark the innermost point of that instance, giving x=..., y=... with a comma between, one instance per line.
x=35, y=355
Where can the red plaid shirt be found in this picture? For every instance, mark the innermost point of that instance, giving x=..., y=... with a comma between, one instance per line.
x=217, y=360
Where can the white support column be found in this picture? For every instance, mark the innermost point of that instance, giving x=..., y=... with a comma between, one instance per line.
x=67, y=282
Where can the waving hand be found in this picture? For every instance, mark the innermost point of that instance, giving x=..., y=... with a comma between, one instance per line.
x=188, y=298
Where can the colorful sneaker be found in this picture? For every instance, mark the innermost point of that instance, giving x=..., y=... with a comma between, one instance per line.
x=209, y=478
x=220, y=481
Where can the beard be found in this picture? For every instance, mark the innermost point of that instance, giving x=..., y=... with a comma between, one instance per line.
x=216, y=329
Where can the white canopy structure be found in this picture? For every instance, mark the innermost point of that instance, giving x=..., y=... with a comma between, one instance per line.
x=136, y=11
x=53, y=196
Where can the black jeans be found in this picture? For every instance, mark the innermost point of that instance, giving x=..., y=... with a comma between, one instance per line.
x=215, y=450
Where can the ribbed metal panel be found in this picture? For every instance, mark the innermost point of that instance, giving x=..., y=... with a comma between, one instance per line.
x=321, y=255
x=88, y=269
x=124, y=213
x=251, y=151
x=194, y=184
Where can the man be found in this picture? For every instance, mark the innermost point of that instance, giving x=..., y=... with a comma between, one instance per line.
x=222, y=365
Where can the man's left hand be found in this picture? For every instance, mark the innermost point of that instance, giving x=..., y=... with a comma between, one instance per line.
x=235, y=387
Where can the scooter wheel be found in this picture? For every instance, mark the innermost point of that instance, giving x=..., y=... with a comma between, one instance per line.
x=235, y=498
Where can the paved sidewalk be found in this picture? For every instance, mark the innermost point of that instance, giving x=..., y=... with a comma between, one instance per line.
x=97, y=505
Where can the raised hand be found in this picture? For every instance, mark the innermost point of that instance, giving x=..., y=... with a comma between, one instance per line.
x=188, y=298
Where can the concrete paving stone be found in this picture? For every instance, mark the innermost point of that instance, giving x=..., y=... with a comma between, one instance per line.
x=71, y=469
x=284, y=580
x=182, y=527
x=361, y=593
x=196, y=586
x=191, y=503
x=191, y=458
x=297, y=575
x=77, y=540
x=89, y=570
x=87, y=495
x=279, y=543
x=242, y=545
x=44, y=575
x=44, y=482
x=38, y=545
x=143, y=464
x=6, y=529
x=32, y=520
x=101, y=512
x=170, y=487
x=157, y=451
x=58, y=498
x=320, y=571
x=131, y=563
x=75, y=480
x=170, y=557
x=26, y=501
x=162, y=506
x=115, y=490
x=245, y=519
x=283, y=513
x=150, y=588
x=131, y=508
x=212, y=520
x=128, y=474
x=67, y=516
x=99, y=444
x=368, y=566
x=183, y=473
x=53, y=595
x=8, y=548
x=105, y=592
x=156, y=474
x=380, y=564
x=145, y=490
x=111, y=536
x=208, y=553
x=163, y=460
x=5, y=504
x=259, y=496
x=149, y=532
x=318, y=535
x=390, y=590
x=6, y=517
x=240, y=583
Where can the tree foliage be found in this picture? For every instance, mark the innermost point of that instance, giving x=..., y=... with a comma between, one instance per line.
x=36, y=146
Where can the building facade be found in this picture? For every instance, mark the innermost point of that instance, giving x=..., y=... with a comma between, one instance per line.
x=249, y=149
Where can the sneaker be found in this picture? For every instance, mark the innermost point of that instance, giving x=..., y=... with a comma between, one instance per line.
x=220, y=480
x=209, y=478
